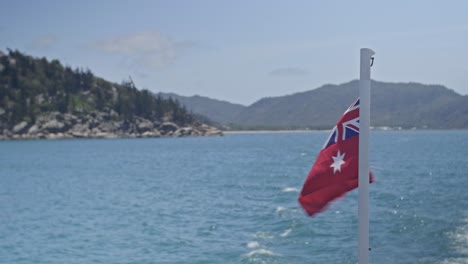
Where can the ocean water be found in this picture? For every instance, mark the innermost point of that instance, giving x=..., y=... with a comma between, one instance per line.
x=230, y=199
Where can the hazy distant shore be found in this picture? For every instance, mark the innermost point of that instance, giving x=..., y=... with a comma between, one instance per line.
x=325, y=130
x=272, y=131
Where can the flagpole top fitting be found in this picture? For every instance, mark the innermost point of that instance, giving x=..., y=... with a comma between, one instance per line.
x=366, y=61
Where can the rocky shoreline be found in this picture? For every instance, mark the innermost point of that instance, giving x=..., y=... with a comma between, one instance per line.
x=56, y=125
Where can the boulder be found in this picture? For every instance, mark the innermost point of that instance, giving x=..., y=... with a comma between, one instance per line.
x=151, y=134
x=51, y=136
x=69, y=119
x=168, y=128
x=20, y=127
x=7, y=133
x=78, y=134
x=79, y=128
x=183, y=131
x=156, y=124
x=93, y=122
x=55, y=115
x=103, y=116
x=33, y=130
x=144, y=126
x=54, y=126
x=127, y=127
x=107, y=127
x=101, y=134
x=206, y=130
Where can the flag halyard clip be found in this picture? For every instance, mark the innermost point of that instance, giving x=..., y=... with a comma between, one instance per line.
x=372, y=61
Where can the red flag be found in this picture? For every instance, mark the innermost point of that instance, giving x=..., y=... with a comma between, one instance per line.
x=335, y=171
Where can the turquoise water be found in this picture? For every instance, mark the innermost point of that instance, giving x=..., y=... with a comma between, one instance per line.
x=230, y=199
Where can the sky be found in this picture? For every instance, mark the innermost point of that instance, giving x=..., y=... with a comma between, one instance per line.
x=241, y=51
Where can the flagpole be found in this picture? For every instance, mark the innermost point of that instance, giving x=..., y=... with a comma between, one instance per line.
x=364, y=124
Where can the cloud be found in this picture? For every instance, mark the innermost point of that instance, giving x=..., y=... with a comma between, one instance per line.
x=44, y=42
x=288, y=71
x=152, y=50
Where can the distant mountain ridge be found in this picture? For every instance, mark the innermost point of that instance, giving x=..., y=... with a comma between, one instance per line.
x=216, y=110
x=406, y=105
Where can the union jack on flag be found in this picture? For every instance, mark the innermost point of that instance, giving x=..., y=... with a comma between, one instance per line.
x=347, y=126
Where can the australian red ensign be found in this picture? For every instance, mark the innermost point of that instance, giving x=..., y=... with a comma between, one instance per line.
x=335, y=171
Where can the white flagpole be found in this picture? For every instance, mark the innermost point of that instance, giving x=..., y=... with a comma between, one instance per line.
x=364, y=124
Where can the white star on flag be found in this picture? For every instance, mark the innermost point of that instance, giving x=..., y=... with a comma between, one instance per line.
x=337, y=162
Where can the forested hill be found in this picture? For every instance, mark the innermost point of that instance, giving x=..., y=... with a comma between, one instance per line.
x=45, y=99
x=405, y=105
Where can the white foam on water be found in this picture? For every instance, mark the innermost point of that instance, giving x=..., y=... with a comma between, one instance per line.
x=264, y=235
x=253, y=244
x=286, y=232
x=456, y=261
x=261, y=251
x=460, y=238
x=281, y=209
x=290, y=189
